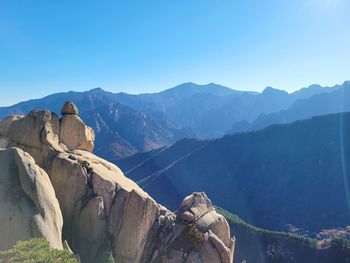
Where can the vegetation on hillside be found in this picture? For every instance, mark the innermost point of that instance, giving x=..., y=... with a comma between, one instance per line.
x=234, y=219
x=36, y=250
x=257, y=245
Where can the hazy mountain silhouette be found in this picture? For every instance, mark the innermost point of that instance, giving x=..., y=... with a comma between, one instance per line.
x=120, y=130
x=126, y=124
x=310, y=103
x=210, y=110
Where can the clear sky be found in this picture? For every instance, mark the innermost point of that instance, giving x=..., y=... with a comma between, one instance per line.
x=145, y=46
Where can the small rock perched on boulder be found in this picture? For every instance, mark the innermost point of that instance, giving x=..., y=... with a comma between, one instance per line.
x=73, y=132
x=69, y=108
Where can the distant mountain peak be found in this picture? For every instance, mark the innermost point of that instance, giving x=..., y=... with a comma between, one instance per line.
x=96, y=90
x=189, y=88
x=346, y=83
x=314, y=86
x=270, y=91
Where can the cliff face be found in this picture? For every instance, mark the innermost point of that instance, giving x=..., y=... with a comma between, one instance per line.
x=104, y=210
x=28, y=205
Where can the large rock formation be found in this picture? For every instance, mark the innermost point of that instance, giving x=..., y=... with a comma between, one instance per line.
x=104, y=210
x=28, y=207
x=74, y=133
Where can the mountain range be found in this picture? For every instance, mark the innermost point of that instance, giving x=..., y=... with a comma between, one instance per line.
x=338, y=100
x=211, y=110
x=126, y=124
x=284, y=174
x=120, y=130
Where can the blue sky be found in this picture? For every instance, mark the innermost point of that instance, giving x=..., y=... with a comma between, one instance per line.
x=146, y=46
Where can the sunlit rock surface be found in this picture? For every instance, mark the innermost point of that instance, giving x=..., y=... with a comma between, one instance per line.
x=104, y=210
x=28, y=207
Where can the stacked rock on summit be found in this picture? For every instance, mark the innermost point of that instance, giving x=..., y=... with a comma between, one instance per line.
x=104, y=210
x=69, y=108
x=74, y=134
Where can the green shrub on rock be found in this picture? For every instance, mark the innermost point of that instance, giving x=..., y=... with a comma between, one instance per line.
x=196, y=236
x=36, y=250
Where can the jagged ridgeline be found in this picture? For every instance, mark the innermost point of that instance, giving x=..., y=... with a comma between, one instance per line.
x=53, y=186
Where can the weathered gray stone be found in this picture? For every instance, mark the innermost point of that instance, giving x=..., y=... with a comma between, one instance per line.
x=198, y=204
x=217, y=224
x=92, y=229
x=75, y=134
x=6, y=123
x=35, y=129
x=4, y=141
x=28, y=206
x=37, y=134
x=69, y=180
x=137, y=214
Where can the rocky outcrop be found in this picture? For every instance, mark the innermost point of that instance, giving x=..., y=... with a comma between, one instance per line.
x=28, y=207
x=4, y=129
x=35, y=133
x=181, y=236
x=42, y=134
x=74, y=133
x=104, y=210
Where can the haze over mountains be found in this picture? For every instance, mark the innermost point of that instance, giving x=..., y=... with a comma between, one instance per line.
x=336, y=99
x=210, y=110
x=126, y=124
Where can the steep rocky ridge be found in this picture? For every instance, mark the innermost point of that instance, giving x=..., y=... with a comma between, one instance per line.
x=104, y=210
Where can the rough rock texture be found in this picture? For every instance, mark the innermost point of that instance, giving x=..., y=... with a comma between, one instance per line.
x=28, y=207
x=199, y=209
x=104, y=210
x=3, y=142
x=37, y=134
x=69, y=108
x=6, y=123
x=75, y=134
